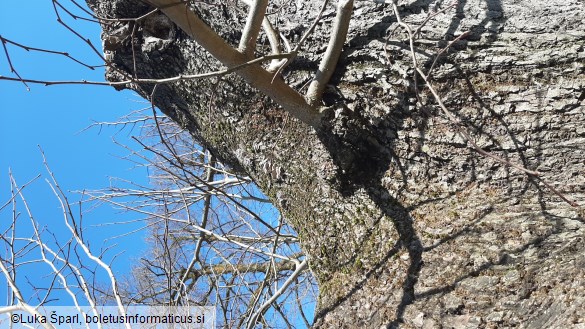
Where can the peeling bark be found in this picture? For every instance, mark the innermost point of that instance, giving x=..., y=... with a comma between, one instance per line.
x=404, y=224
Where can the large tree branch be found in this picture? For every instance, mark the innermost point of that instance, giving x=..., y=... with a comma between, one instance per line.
x=255, y=75
x=222, y=269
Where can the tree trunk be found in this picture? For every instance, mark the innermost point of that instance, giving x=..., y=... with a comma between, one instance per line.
x=404, y=223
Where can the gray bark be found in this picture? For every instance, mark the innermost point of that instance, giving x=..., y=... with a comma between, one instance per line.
x=406, y=225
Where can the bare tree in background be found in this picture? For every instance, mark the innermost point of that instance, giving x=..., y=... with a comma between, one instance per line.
x=386, y=133
x=39, y=267
x=215, y=239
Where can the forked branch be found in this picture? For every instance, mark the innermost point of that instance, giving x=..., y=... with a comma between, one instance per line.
x=304, y=108
x=255, y=75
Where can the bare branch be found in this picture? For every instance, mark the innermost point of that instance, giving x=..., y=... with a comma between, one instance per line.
x=62, y=53
x=300, y=268
x=461, y=36
x=74, y=230
x=252, y=28
x=255, y=74
x=273, y=40
x=76, y=33
x=12, y=69
x=331, y=56
x=204, y=218
x=256, y=267
x=155, y=81
x=18, y=191
x=300, y=43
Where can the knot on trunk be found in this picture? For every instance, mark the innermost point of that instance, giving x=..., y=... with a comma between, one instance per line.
x=158, y=32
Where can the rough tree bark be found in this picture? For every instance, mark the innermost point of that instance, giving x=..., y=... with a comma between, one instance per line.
x=405, y=224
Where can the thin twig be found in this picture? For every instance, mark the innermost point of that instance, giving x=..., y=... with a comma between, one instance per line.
x=461, y=36
x=12, y=69
x=151, y=81
x=48, y=51
x=301, y=41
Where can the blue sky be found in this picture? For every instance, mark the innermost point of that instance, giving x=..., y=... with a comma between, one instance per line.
x=54, y=118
